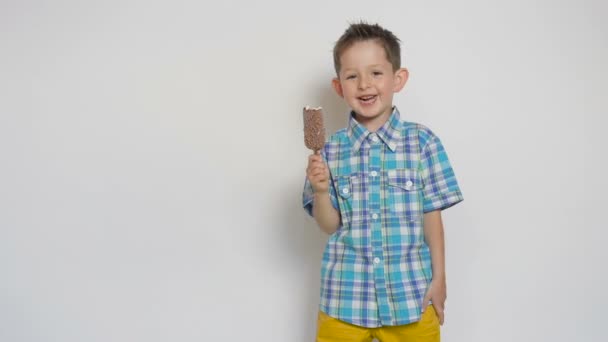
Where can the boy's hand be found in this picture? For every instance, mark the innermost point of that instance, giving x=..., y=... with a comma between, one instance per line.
x=437, y=294
x=318, y=174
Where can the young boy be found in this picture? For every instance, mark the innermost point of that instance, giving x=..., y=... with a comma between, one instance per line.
x=378, y=188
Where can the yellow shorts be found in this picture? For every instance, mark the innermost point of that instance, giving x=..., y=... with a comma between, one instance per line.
x=330, y=329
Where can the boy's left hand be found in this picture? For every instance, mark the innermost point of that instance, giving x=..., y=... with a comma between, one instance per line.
x=436, y=293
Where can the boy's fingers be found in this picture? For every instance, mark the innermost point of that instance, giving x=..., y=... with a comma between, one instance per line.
x=319, y=177
x=319, y=167
x=425, y=303
x=316, y=174
x=317, y=171
x=440, y=313
x=315, y=164
x=315, y=157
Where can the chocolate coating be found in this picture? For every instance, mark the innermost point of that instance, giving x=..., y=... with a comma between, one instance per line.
x=314, y=129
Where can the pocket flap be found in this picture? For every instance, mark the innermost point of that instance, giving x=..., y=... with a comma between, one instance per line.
x=407, y=179
x=344, y=186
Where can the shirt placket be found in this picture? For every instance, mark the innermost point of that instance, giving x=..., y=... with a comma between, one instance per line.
x=374, y=173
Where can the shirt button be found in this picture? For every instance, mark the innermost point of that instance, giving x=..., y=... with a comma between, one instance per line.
x=374, y=173
x=409, y=183
x=376, y=260
x=374, y=216
x=345, y=191
x=374, y=138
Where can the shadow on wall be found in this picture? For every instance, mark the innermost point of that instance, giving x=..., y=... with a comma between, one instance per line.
x=302, y=237
x=304, y=242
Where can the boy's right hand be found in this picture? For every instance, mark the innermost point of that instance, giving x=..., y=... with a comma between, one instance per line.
x=317, y=174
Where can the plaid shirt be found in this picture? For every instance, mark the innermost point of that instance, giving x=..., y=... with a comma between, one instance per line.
x=376, y=267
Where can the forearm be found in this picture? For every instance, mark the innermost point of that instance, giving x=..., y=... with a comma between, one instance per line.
x=434, y=236
x=327, y=217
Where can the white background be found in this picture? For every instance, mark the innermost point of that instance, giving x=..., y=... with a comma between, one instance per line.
x=152, y=162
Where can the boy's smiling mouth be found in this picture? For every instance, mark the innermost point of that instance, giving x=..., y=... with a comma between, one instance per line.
x=367, y=99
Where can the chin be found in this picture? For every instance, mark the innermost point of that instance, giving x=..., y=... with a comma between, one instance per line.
x=369, y=114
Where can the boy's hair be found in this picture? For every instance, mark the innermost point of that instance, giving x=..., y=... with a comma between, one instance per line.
x=363, y=31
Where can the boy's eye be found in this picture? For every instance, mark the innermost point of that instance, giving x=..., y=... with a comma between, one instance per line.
x=377, y=73
x=350, y=77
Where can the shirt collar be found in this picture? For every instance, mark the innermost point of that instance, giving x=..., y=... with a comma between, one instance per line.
x=389, y=133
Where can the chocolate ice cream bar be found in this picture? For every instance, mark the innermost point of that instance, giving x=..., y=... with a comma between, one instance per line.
x=314, y=129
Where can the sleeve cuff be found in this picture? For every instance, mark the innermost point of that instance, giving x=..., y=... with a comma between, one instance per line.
x=442, y=201
x=308, y=206
x=307, y=201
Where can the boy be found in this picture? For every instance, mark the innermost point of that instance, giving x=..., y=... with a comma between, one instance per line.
x=378, y=188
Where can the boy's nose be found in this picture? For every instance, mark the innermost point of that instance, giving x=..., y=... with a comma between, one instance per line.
x=363, y=82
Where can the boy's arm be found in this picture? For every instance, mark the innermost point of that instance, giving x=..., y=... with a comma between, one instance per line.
x=325, y=214
x=440, y=191
x=319, y=186
x=433, y=234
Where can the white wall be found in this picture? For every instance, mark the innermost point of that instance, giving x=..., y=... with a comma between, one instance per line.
x=152, y=160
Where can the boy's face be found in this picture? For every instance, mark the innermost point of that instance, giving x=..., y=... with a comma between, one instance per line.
x=367, y=82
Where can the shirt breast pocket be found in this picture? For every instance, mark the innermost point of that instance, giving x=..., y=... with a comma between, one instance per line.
x=404, y=193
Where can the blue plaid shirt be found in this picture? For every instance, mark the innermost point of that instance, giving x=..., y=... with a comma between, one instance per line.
x=376, y=267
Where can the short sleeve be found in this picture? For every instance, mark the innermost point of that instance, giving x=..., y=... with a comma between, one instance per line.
x=441, y=189
x=308, y=194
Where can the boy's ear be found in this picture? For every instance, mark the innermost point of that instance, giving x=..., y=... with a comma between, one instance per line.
x=337, y=86
x=401, y=77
